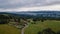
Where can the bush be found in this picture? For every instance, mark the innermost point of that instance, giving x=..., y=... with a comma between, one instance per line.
x=39, y=32
x=58, y=32
x=3, y=22
x=47, y=31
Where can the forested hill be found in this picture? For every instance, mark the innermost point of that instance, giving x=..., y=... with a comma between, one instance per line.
x=34, y=14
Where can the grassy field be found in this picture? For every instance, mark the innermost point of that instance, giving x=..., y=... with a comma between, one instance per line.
x=32, y=28
x=6, y=29
x=39, y=26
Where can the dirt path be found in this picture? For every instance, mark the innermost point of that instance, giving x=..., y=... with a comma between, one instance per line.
x=22, y=31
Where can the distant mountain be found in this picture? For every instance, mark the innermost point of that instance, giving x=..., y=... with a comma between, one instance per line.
x=34, y=14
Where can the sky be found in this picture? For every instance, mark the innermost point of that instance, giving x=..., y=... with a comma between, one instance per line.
x=29, y=5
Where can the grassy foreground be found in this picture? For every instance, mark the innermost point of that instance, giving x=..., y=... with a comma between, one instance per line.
x=39, y=26
x=6, y=29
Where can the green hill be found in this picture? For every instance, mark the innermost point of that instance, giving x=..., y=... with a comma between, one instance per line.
x=39, y=26
x=6, y=29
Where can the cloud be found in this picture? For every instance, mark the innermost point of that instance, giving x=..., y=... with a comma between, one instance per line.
x=44, y=8
x=8, y=4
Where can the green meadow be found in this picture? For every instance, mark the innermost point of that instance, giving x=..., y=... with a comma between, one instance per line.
x=7, y=29
x=32, y=28
x=39, y=26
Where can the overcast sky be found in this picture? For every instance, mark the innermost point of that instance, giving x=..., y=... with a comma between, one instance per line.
x=29, y=5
